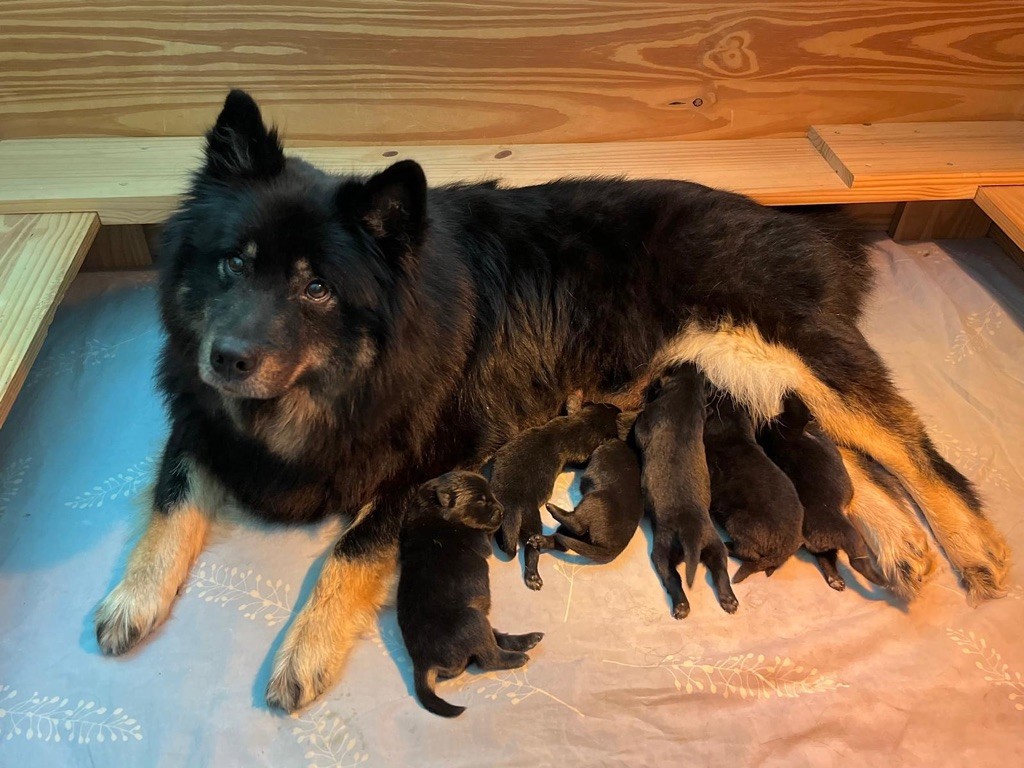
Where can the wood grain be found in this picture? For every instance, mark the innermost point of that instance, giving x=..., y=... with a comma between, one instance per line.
x=961, y=155
x=369, y=72
x=121, y=246
x=39, y=256
x=1010, y=248
x=938, y=219
x=1005, y=206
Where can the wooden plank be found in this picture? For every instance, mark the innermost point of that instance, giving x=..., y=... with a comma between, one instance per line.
x=365, y=72
x=873, y=216
x=1005, y=205
x=139, y=181
x=39, y=256
x=906, y=156
x=939, y=219
x=119, y=246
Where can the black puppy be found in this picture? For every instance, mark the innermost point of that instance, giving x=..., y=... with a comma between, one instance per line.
x=605, y=520
x=526, y=467
x=815, y=466
x=751, y=497
x=444, y=592
x=669, y=434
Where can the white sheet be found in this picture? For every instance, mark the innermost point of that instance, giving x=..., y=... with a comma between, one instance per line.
x=801, y=675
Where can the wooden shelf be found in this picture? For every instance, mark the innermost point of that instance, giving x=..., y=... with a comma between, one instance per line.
x=918, y=161
x=39, y=255
x=1005, y=206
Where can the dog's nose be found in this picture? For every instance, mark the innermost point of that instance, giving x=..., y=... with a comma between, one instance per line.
x=233, y=359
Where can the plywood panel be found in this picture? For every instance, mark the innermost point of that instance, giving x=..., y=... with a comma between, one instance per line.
x=39, y=256
x=938, y=219
x=366, y=72
x=121, y=246
x=961, y=155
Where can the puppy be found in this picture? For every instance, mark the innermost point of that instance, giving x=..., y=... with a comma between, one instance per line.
x=669, y=434
x=525, y=469
x=815, y=466
x=751, y=497
x=444, y=591
x=605, y=520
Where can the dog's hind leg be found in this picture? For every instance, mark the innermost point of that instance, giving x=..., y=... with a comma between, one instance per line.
x=351, y=588
x=848, y=389
x=185, y=498
x=829, y=565
x=664, y=557
x=883, y=515
x=531, y=555
x=569, y=523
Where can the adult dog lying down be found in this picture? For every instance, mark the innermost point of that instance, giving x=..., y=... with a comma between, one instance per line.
x=332, y=342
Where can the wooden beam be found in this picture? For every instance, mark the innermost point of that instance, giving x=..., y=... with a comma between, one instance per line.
x=118, y=246
x=913, y=159
x=39, y=256
x=938, y=219
x=1010, y=248
x=1005, y=205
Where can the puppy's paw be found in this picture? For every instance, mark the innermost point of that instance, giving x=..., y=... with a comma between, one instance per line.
x=729, y=603
x=680, y=610
x=304, y=668
x=530, y=640
x=538, y=541
x=836, y=582
x=127, y=615
x=533, y=581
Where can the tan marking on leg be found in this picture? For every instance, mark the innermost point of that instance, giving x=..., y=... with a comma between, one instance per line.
x=892, y=531
x=737, y=359
x=343, y=605
x=157, y=567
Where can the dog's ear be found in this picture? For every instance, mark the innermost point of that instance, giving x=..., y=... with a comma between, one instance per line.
x=445, y=498
x=239, y=146
x=391, y=205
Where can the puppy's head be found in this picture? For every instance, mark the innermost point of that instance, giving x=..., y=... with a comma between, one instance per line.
x=276, y=274
x=462, y=498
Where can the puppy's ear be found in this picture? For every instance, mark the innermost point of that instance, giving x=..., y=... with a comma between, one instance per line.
x=391, y=206
x=445, y=498
x=239, y=146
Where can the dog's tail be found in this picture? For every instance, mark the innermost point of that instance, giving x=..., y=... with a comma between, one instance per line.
x=592, y=552
x=425, y=680
x=691, y=553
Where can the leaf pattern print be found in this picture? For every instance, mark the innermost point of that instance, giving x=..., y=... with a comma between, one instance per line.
x=512, y=684
x=329, y=738
x=748, y=676
x=94, y=353
x=123, y=485
x=968, y=459
x=257, y=598
x=52, y=718
x=990, y=662
x=10, y=481
x=568, y=570
x=972, y=337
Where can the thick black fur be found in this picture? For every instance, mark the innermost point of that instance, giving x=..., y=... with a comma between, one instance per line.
x=751, y=498
x=669, y=435
x=444, y=592
x=605, y=520
x=525, y=469
x=815, y=466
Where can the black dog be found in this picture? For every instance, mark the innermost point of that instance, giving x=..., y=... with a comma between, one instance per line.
x=526, y=467
x=669, y=433
x=332, y=342
x=815, y=466
x=751, y=498
x=444, y=592
x=607, y=517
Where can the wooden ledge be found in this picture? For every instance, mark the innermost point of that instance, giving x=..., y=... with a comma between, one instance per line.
x=1005, y=206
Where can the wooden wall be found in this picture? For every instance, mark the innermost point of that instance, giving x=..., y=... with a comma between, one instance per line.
x=421, y=71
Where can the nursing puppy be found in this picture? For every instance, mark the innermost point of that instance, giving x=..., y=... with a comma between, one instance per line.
x=526, y=467
x=605, y=520
x=815, y=466
x=669, y=434
x=750, y=496
x=444, y=592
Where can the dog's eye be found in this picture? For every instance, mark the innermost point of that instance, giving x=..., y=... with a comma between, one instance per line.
x=235, y=264
x=317, y=290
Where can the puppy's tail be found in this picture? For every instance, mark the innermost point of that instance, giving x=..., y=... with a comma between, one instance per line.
x=599, y=555
x=425, y=680
x=691, y=553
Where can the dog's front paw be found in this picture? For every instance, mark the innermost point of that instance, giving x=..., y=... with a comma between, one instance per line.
x=127, y=615
x=305, y=667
